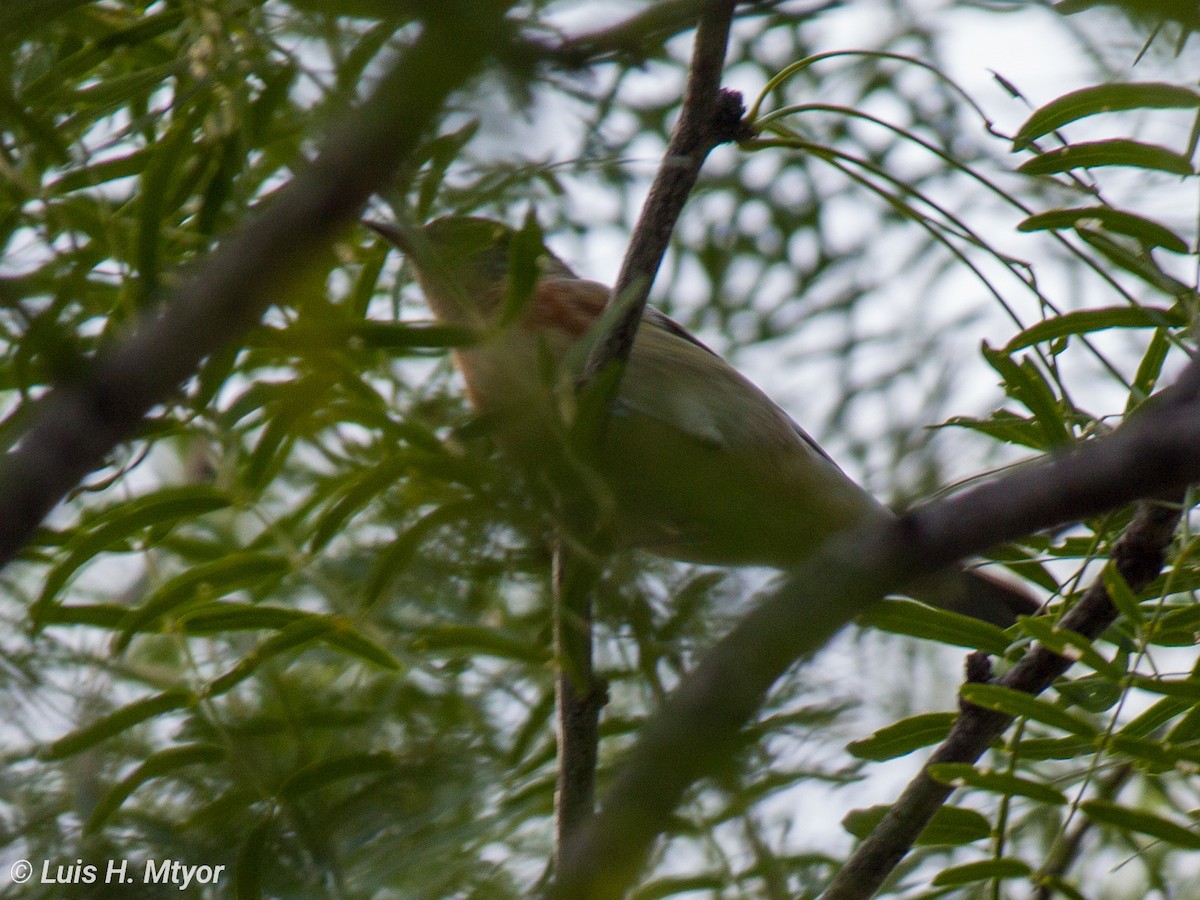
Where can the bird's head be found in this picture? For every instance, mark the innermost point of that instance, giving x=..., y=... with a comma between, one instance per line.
x=463, y=263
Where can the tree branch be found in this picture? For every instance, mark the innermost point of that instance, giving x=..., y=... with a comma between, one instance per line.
x=76, y=424
x=1152, y=455
x=1138, y=555
x=707, y=118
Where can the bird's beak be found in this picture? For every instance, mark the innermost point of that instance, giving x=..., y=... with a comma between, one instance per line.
x=394, y=234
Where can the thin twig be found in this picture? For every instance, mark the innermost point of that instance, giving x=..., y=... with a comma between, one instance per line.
x=580, y=695
x=1068, y=847
x=1138, y=555
x=707, y=118
x=700, y=724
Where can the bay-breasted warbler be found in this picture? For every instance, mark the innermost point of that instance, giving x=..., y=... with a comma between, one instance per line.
x=702, y=466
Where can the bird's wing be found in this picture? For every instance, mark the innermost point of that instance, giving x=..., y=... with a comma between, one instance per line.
x=715, y=411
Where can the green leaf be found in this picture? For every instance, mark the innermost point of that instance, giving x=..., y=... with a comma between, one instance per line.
x=1153, y=755
x=1070, y=644
x=400, y=552
x=1140, y=264
x=441, y=152
x=1158, y=715
x=119, y=523
x=918, y=620
x=1058, y=885
x=156, y=766
x=1087, y=321
x=1115, y=152
x=359, y=490
x=1091, y=693
x=1004, y=425
x=325, y=772
x=950, y=826
x=1149, y=369
x=904, y=737
x=481, y=640
x=1054, y=748
x=345, y=637
x=1170, y=687
x=103, y=172
x=1103, y=98
x=963, y=775
x=117, y=722
x=1122, y=595
x=1150, y=233
x=207, y=581
x=1017, y=704
x=524, y=252
x=1025, y=383
x=1127, y=819
x=251, y=855
x=984, y=870
x=302, y=632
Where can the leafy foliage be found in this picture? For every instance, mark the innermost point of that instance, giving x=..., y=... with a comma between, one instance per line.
x=299, y=626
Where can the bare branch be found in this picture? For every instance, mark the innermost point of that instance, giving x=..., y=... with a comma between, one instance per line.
x=1138, y=556
x=77, y=424
x=707, y=118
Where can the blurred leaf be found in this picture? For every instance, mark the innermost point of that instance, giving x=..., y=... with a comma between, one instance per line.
x=1018, y=704
x=159, y=765
x=165, y=506
x=950, y=826
x=1106, y=813
x=1100, y=99
x=251, y=856
x=117, y=722
x=903, y=737
x=1114, y=152
x=327, y=771
x=918, y=620
x=962, y=775
x=204, y=582
x=985, y=870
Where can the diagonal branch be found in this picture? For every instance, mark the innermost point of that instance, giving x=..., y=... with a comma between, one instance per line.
x=709, y=116
x=1138, y=555
x=1152, y=455
x=76, y=424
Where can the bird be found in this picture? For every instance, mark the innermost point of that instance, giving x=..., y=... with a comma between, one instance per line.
x=700, y=464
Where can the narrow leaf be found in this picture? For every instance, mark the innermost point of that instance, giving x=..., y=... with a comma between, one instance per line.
x=984, y=870
x=1150, y=233
x=963, y=775
x=327, y=771
x=1114, y=152
x=950, y=826
x=1016, y=703
x=204, y=582
x=116, y=722
x=904, y=737
x=1103, y=98
x=1142, y=822
x=918, y=620
x=1087, y=321
x=157, y=766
